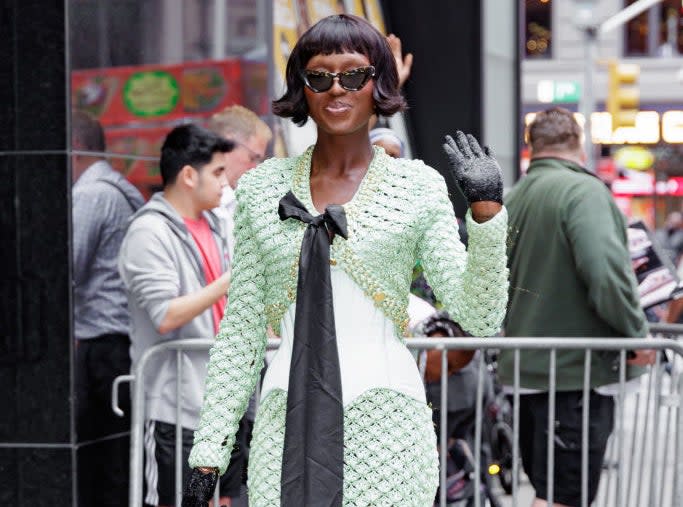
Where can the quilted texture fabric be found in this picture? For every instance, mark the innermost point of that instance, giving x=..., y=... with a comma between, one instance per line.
x=390, y=455
x=400, y=213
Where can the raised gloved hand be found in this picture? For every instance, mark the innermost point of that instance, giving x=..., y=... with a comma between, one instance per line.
x=475, y=170
x=200, y=488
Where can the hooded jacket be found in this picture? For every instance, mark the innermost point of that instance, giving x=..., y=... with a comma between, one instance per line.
x=158, y=262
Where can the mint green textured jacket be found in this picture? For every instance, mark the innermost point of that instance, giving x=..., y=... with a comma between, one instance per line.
x=400, y=213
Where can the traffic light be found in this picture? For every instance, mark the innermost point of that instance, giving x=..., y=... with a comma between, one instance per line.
x=623, y=94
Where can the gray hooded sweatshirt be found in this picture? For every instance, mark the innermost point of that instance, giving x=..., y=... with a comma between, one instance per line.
x=158, y=262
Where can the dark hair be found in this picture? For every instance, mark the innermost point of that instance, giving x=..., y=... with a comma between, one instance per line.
x=341, y=33
x=189, y=145
x=555, y=129
x=86, y=132
x=441, y=322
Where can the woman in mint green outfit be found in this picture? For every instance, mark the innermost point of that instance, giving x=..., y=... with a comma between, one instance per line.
x=325, y=247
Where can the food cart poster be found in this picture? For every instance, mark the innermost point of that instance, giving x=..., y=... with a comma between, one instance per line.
x=135, y=154
x=156, y=93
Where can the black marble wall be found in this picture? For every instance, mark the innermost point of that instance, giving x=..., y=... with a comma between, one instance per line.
x=36, y=416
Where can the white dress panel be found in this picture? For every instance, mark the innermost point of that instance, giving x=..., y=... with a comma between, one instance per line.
x=370, y=353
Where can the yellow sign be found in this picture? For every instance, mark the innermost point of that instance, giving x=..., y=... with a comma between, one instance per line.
x=285, y=34
x=649, y=128
x=634, y=157
x=370, y=10
x=319, y=9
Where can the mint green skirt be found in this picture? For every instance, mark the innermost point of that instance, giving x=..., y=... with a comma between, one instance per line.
x=390, y=454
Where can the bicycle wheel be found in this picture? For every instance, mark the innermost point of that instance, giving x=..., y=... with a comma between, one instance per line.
x=501, y=453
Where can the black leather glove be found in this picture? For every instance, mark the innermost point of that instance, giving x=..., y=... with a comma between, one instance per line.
x=477, y=172
x=200, y=488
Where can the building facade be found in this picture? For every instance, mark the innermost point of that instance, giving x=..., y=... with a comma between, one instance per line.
x=553, y=72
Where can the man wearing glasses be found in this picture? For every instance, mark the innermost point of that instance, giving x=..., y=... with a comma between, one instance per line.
x=251, y=136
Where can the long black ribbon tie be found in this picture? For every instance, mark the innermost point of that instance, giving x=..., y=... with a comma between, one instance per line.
x=313, y=455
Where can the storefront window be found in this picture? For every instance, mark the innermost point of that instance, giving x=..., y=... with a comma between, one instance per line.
x=143, y=66
x=657, y=32
x=538, y=21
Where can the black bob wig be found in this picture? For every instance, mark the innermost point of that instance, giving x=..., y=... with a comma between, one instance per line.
x=341, y=33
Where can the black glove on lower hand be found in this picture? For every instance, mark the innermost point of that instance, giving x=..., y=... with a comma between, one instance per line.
x=200, y=488
x=475, y=170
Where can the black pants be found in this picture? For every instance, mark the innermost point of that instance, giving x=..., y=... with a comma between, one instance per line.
x=237, y=469
x=533, y=442
x=160, y=462
x=103, y=437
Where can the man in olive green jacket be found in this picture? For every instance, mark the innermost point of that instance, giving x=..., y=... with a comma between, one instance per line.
x=570, y=275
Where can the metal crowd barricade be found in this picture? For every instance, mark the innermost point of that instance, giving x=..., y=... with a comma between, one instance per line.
x=623, y=485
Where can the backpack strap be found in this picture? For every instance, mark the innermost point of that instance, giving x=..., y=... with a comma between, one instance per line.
x=133, y=206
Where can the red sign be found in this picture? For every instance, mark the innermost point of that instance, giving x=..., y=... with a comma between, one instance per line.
x=157, y=93
x=132, y=143
x=645, y=186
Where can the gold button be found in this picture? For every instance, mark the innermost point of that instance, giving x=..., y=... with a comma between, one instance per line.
x=379, y=297
x=333, y=262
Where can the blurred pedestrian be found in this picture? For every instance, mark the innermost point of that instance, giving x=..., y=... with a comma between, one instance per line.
x=670, y=237
x=570, y=275
x=404, y=65
x=251, y=136
x=462, y=378
x=103, y=201
x=388, y=140
x=325, y=247
x=404, y=62
x=174, y=264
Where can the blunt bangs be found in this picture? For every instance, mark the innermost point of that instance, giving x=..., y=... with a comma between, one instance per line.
x=342, y=33
x=339, y=35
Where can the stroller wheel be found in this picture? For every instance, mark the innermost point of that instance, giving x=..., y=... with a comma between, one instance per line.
x=501, y=453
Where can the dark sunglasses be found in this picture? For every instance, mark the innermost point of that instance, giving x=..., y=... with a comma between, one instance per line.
x=352, y=80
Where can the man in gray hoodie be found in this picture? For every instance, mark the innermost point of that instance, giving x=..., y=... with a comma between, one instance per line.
x=174, y=264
